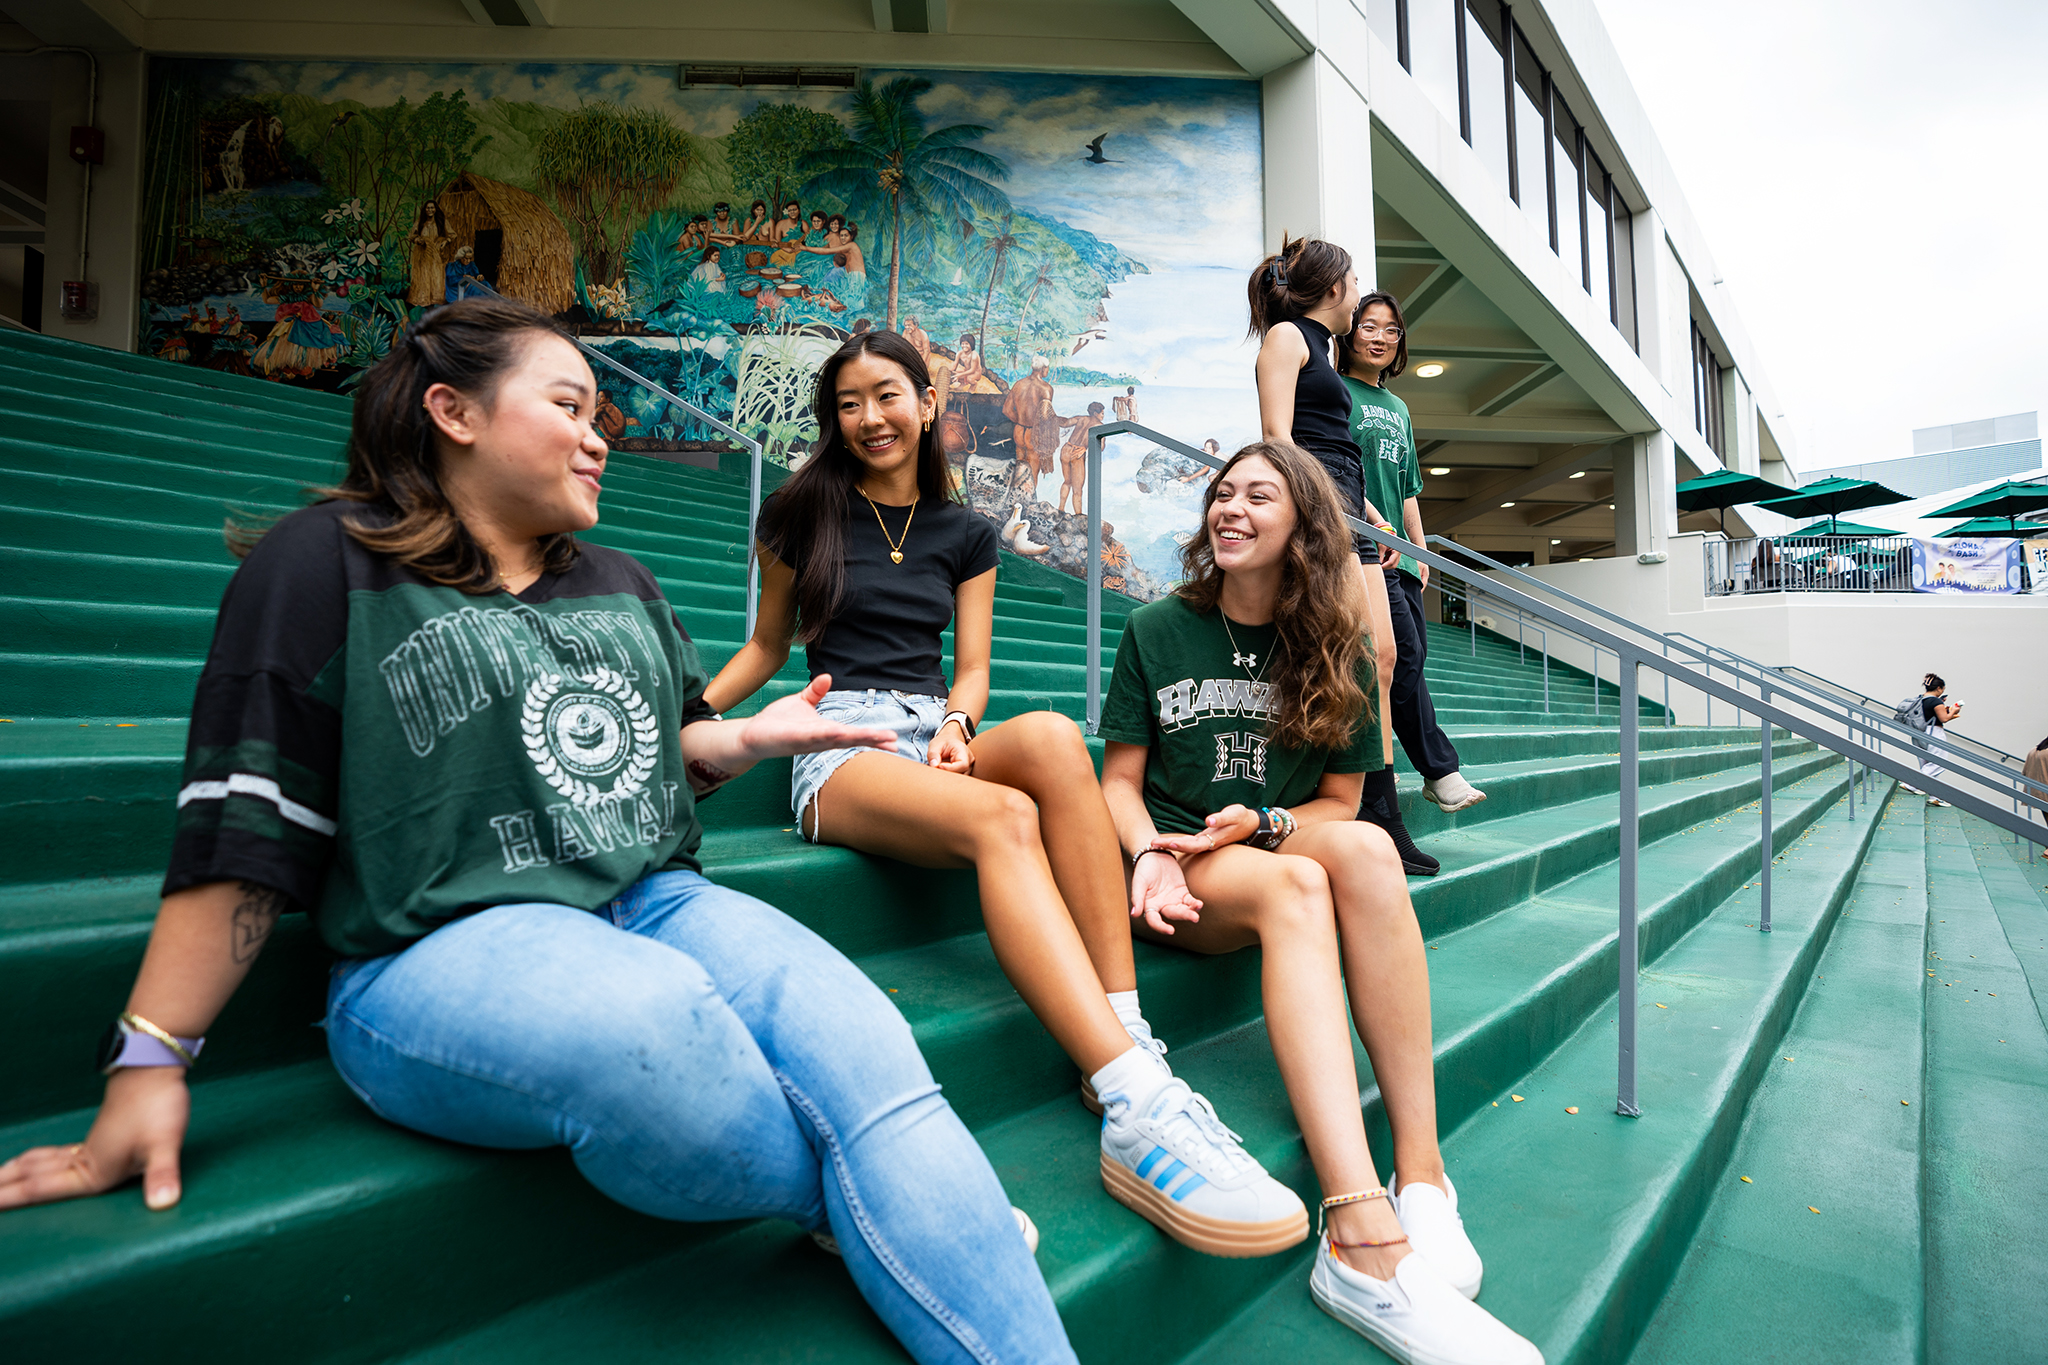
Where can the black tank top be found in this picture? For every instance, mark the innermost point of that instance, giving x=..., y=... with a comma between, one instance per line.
x=1322, y=414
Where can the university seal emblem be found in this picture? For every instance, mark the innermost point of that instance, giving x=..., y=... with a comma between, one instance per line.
x=592, y=738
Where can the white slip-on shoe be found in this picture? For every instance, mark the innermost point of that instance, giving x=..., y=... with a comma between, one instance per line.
x=1416, y=1317
x=828, y=1243
x=1178, y=1167
x=1451, y=792
x=1436, y=1233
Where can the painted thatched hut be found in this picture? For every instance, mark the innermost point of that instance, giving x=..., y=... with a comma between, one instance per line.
x=521, y=247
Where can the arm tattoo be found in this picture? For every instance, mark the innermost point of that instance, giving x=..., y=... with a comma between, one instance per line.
x=255, y=915
x=704, y=777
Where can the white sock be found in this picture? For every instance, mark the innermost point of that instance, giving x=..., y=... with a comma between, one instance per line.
x=1133, y=1077
x=1125, y=1003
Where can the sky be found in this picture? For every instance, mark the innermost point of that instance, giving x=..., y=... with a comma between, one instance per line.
x=1869, y=179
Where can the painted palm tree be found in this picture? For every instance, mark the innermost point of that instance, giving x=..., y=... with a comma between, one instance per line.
x=891, y=164
x=1038, y=282
x=995, y=251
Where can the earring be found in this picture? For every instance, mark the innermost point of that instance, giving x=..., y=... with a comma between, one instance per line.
x=927, y=424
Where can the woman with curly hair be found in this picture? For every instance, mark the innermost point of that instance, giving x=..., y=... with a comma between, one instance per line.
x=1239, y=727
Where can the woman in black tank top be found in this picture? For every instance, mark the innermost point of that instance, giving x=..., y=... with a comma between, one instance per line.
x=1300, y=299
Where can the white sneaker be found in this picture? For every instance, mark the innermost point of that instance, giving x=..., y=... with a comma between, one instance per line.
x=1451, y=792
x=828, y=1243
x=1416, y=1317
x=1435, y=1231
x=1181, y=1169
x=1936, y=801
x=1141, y=1034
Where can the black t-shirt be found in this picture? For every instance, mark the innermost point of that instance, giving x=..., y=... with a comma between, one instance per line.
x=1322, y=415
x=394, y=754
x=886, y=632
x=1927, y=705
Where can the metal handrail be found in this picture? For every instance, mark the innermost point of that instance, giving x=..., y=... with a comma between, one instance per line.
x=753, y=448
x=1978, y=746
x=1633, y=656
x=1703, y=654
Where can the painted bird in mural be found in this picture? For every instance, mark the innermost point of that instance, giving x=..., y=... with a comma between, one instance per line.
x=1095, y=156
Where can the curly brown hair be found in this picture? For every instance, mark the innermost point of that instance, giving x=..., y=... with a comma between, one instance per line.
x=1322, y=647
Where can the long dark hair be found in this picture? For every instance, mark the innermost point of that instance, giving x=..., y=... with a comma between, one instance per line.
x=1319, y=615
x=394, y=465
x=1293, y=281
x=804, y=524
x=1400, y=347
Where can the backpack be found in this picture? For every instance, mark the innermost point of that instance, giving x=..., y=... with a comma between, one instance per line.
x=1909, y=713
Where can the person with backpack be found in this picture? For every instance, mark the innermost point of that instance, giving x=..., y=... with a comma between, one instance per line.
x=1928, y=713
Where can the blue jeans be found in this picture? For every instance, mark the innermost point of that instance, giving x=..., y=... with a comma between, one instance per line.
x=705, y=1057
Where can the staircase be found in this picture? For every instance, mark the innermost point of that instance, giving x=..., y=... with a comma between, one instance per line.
x=310, y=1230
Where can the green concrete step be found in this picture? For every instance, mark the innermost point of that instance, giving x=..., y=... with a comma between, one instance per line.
x=1834, y=1126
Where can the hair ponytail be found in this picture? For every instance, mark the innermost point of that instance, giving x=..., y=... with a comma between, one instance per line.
x=1294, y=281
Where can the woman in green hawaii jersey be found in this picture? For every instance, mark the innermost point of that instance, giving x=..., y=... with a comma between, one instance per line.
x=866, y=557
x=1239, y=729
x=470, y=746
x=1375, y=351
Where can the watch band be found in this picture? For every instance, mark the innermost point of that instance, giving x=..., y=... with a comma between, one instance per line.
x=966, y=722
x=135, y=1042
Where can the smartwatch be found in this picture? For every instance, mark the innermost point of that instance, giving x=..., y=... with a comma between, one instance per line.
x=132, y=1040
x=966, y=723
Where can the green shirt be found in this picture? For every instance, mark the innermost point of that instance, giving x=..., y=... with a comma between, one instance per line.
x=1380, y=425
x=393, y=754
x=1178, y=689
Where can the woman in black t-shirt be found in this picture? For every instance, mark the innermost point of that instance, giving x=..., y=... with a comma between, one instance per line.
x=866, y=559
x=1238, y=724
x=1302, y=299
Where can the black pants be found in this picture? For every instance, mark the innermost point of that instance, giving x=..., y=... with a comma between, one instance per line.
x=1414, y=714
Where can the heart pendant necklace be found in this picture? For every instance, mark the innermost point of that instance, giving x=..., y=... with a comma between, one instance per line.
x=895, y=543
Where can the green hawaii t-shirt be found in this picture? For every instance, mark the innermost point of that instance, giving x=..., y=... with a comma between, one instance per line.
x=1393, y=474
x=393, y=754
x=1179, y=688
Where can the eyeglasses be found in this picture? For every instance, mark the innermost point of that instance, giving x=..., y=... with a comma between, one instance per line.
x=1373, y=329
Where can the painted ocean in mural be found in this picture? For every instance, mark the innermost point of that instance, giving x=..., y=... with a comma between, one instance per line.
x=1066, y=251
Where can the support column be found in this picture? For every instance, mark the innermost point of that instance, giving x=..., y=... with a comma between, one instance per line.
x=1318, y=160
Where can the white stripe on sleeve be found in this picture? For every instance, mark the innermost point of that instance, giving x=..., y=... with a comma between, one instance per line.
x=249, y=784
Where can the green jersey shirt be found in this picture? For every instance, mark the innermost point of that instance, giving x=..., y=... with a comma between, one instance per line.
x=1188, y=685
x=1380, y=425
x=393, y=754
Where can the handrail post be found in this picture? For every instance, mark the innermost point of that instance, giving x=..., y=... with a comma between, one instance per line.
x=753, y=560
x=1769, y=844
x=1093, y=664
x=1627, y=947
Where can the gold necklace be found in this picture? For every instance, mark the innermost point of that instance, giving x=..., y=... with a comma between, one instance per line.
x=895, y=545
x=1239, y=657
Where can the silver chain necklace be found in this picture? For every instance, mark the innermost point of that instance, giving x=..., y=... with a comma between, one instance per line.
x=1243, y=660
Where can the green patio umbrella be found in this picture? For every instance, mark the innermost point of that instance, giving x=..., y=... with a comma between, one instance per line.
x=2007, y=500
x=1831, y=497
x=1997, y=526
x=1723, y=489
x=1834, y=526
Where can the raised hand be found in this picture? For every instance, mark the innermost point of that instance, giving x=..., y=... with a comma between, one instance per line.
x=793, y=726
x=140, y=1127
x=1159, y=892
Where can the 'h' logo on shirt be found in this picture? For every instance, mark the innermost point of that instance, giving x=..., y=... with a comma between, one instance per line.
x=1239, y=754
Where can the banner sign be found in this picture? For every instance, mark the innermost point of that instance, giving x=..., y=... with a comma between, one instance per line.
x=1966, y=565
x=2035, y=553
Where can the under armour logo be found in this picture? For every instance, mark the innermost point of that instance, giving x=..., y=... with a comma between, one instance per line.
x=1245, y=660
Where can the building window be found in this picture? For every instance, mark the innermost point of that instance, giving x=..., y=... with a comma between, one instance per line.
x=1486, y=84
x=1529, y=134
x=1599, y=229
x=1570, y=193
x=1624, y=243
x=1433, y=53
x=1706, y=391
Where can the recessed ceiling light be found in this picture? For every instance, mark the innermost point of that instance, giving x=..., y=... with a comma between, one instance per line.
x=1610, y=507
x=1429, y=371
x=1507, y=504
x=1557, y=542
x=1440, y=469
x=1585, y=559
x=1580, y=474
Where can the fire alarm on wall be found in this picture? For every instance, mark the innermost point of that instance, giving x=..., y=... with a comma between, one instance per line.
x=88, y=146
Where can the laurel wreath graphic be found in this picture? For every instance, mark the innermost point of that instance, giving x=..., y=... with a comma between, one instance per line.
x=639, y=716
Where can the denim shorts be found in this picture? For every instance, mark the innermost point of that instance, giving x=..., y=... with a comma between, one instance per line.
x=915, y=720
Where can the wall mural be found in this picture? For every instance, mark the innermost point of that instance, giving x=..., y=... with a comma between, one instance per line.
x=1066, y=251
